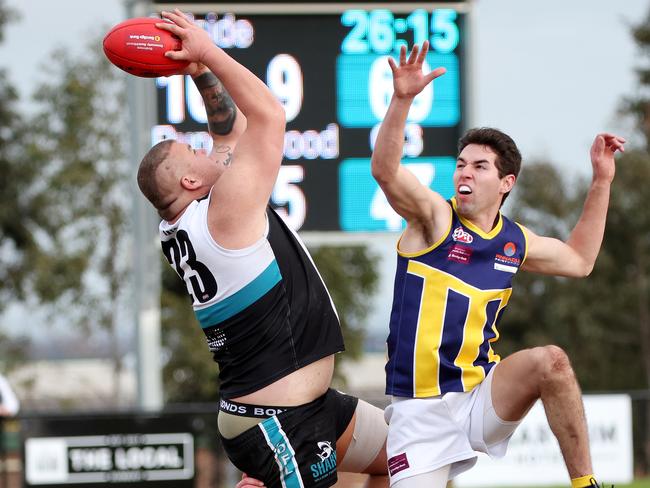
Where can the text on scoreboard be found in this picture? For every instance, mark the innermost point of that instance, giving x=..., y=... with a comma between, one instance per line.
x=331, y=74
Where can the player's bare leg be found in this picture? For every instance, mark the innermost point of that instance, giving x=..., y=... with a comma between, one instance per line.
x=546, y=373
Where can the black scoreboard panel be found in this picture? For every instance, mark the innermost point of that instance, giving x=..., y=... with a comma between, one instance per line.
x=330, y=72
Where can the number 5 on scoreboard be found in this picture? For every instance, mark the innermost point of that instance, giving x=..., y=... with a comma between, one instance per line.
x=287, y=193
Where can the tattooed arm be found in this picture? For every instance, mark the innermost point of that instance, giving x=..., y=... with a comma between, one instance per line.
x=225, y=121
x=220, y=108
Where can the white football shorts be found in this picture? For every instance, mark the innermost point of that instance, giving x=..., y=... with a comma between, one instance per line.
x=425, y=434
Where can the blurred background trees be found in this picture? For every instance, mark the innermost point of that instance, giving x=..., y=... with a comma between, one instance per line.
x=65, y=240
x=65, y=231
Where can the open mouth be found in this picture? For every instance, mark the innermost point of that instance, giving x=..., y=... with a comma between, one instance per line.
x=464, y=190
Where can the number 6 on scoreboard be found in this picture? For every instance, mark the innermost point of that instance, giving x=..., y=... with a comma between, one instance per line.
x=380, y=91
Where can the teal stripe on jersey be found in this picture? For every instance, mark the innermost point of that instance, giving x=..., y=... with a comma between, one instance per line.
x=237, y=302
x=285, y=456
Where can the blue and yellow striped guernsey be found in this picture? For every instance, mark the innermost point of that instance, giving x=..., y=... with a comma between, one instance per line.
x=447, y=302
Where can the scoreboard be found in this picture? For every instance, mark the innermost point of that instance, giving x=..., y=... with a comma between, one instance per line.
x=329, y=70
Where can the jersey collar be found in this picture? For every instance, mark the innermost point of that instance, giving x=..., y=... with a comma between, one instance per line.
x=474, y=228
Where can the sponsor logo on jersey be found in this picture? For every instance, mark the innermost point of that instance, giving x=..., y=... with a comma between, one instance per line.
x=216, y=339
x=506, y=261
x=509, y=249
x=327, y=464
x=460, y=254
x=460, y=235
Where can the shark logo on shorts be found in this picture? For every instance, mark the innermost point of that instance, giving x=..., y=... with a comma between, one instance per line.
x=326, y=450
x=327, y=464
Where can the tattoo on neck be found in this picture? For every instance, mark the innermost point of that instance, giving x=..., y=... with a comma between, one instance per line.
x=219, y=105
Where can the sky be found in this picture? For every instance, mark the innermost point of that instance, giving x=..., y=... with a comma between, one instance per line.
x=551, y=74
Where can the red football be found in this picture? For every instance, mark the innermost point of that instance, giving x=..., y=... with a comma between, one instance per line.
x=138, y=47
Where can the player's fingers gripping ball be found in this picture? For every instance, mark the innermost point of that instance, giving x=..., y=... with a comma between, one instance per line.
x=138, y=47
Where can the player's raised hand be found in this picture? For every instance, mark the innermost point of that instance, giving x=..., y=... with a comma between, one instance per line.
x=195, y=69
x=602, y=154
x=196, y=42
x=408, y=78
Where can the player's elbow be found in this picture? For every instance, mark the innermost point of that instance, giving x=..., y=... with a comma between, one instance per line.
x=269, y=115
x=280, y=114
x=276, y=116
x=581, y=269
x=381, y=173
x=587, y=269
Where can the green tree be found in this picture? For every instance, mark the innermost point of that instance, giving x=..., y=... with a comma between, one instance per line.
x=12, y=351
x=603, y=322
x=18, y=173
x=628, y=237
x=351, y=278
x=628, y=178
x=597, y=317
x=17, y=244
x=541, y=202
x=80, y=199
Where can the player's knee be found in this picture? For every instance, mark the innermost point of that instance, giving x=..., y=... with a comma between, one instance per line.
x=557, y=364
x=548, y=363
x=537, y=360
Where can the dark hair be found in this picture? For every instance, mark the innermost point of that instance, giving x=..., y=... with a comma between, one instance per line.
x=508, y=161
x=147, y=181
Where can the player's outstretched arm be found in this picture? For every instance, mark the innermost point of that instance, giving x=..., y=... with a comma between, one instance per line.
x=259, y=150
x=250, y=94
x=408, y=197
x=576, y=257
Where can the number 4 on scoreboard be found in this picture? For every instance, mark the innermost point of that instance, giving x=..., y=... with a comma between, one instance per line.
x=380, y=209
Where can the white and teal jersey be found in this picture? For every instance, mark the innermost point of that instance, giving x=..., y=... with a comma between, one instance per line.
x=245, y=275
x=264, y=309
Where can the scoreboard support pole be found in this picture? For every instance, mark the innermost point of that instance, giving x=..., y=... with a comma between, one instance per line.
x=147, y=245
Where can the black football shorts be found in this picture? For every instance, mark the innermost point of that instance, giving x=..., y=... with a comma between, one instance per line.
x=296, y=447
